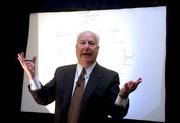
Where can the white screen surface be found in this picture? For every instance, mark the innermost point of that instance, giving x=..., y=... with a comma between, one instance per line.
x=132, y=42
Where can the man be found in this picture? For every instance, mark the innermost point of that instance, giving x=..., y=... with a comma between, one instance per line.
x=102, y=97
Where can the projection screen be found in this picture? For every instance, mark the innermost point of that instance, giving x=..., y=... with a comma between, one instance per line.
x=132, y=42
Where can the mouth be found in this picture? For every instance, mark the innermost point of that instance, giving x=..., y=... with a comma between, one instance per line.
x=86, y=54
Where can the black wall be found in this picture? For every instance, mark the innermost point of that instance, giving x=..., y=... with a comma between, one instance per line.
x=15, y=20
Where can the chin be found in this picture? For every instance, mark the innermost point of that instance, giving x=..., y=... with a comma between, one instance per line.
x=86, y=63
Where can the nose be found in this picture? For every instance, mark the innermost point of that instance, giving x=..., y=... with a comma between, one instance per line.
x=86, y=45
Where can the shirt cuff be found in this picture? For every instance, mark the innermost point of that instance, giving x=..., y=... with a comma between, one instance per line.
x=34, y=84
x=120, y=101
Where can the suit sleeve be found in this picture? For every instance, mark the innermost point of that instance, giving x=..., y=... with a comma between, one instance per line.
x=116, y=112
x=46, y=94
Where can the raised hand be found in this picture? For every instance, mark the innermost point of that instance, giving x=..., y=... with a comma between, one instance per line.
x=27, y=65
x=129, y=87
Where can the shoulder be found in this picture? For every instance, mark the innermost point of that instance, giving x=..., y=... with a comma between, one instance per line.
x=66, y=68
x=109, y=77
x=105, y=70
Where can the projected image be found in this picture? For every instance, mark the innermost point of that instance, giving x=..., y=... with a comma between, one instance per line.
x=132, y=42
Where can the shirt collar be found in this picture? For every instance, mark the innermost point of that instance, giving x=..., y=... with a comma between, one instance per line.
x=88, y=70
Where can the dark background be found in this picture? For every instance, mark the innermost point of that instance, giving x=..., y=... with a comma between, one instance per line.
x=14, y=35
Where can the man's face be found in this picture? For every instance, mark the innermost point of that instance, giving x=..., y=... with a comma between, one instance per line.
x=87, y=48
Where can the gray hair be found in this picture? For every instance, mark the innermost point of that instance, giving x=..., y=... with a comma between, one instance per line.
x=96, y=35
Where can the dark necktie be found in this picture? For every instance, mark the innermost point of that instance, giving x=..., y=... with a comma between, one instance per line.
x=76, y=99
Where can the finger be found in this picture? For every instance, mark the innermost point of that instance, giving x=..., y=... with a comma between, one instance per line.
x=136, y=83
x=34, y=59
x=31, y=69
x=20, y=60
x=140, y=79
x=126, y=85
x=22, y=54
x=134, y=86
x=30, y=64
x=21, y=57
x=130, y=84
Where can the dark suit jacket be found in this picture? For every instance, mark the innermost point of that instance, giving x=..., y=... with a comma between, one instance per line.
x=98, y=101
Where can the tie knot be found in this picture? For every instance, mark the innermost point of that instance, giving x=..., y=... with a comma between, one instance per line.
x=83, y=71
x=81, y=77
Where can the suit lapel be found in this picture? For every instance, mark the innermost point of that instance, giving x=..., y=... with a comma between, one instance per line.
x=68, y=84
x=91, y=85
